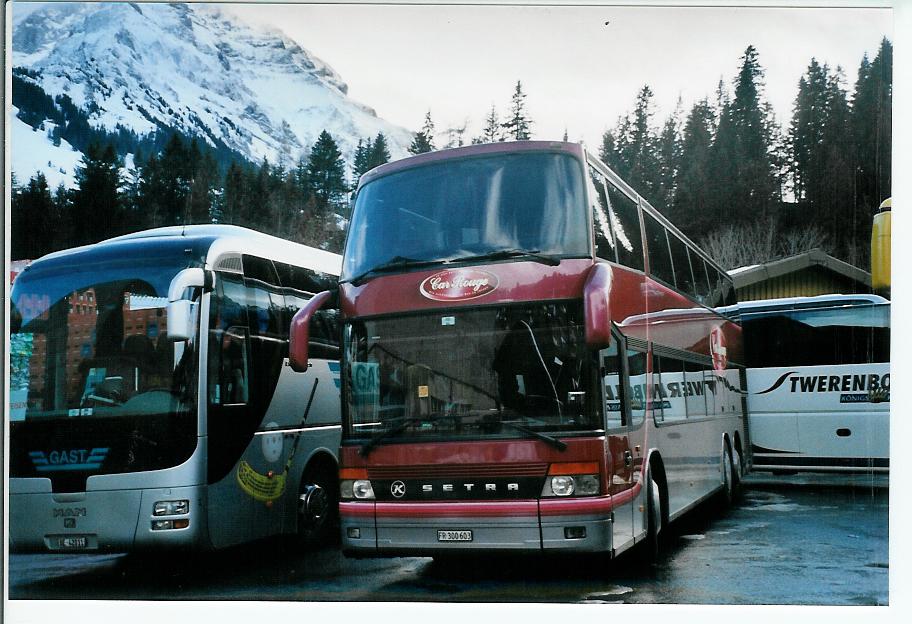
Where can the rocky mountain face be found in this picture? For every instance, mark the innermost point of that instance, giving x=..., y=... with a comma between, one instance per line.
x=194, y=69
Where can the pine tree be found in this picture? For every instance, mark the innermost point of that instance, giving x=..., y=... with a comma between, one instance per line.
x=379, y=151
x=361, y=161
x=744, y=171
x=201, y=186
x=420, y=144
x=668, y=154
x=424, y=138
x=235, y=195
x=32, y=220
x=871, y=120
x=820, y=148
x=691, y=197
x=326, y=172
x=519, y=126
x=491, y=133
x=631, y=149
x=97, y=203
x=456, y=135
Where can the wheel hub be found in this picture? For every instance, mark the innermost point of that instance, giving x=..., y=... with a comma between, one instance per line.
x=313, y=504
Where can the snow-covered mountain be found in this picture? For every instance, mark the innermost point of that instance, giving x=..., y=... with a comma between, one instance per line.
x=189, y=67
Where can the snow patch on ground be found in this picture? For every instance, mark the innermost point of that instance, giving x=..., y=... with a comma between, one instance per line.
x=32, y=151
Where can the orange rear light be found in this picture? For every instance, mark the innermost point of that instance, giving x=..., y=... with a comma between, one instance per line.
x=573, y=468
x=353, y=473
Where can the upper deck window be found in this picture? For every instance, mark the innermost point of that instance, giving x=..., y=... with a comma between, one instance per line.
x=532, y=201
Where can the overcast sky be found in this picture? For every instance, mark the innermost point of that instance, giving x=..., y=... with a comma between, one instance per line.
x=580, y=67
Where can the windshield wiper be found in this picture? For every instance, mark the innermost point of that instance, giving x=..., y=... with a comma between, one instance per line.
x=394, y=264
x=558, y=444
x=398, y=428
x=505, y=254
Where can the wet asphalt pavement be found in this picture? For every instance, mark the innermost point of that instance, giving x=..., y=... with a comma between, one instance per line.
x=787, y=541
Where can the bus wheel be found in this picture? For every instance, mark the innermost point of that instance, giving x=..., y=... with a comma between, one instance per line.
x=728, y=477
x=318, y=507
x=737, y=472
x=653, y=519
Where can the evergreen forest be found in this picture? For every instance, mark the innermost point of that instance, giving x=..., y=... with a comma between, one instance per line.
x=744, y=186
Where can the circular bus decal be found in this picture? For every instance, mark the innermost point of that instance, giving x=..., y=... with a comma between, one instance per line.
x=458, y=284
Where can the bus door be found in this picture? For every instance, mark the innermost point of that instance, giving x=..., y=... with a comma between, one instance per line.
x=620, y=460
x=246, y=451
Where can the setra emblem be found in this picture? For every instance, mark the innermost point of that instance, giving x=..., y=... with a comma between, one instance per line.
x=397, y=489
x=458, y=284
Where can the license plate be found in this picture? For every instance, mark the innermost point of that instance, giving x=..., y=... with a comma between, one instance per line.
x=454, y=536
x=73, y=543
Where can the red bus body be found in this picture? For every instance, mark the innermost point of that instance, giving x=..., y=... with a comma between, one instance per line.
x=431, y=494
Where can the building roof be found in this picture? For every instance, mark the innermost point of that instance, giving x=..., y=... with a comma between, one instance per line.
x=745, y=276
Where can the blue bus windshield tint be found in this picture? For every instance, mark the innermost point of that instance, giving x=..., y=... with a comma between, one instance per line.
x=468, y=207
x=91, y=367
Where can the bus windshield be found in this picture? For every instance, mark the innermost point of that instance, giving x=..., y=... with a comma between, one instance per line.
x=529, y=202
x=93, y=373
x=853, y=334
x=500, y=371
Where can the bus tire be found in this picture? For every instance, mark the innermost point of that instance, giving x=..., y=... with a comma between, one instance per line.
x=728, y=477
x=737, y=472
x=318, y=507
x=653, y=544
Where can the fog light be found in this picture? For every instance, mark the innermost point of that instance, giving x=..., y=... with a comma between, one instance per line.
x=168, y=525
x=171, y=508
x=577, y=532
x=354, y=532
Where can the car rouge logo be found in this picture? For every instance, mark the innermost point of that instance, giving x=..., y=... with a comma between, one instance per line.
x=458, y=285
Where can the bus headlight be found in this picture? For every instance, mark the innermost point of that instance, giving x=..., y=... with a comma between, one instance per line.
x=562, y=485
x=572, y=479
x=355, y=484
x=171, y=508
x=363, y=490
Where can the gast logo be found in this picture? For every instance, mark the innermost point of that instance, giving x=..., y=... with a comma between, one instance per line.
x=69, y=459
x=458, y=285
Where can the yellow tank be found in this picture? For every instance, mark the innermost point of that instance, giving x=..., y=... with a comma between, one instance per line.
x=880, y=250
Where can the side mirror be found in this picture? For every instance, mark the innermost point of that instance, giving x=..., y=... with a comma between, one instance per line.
x=299, y=333
x=596, y=307
x=181, y=310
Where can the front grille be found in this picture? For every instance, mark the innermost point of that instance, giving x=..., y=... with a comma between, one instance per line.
x=437, y=471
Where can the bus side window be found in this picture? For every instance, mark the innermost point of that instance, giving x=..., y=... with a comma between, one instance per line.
x=228, y=343
x=671, y=394
x=636, y=365
x=684, y=280
x=604, y=238
x=715, y=282
x=625, y=221
x=701, y=279
x=232, y=373
x=694, y=391
x=615, y=414
x=659, y=256
x=711, y=391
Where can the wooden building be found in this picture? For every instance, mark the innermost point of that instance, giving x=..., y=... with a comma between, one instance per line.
x=811, y=273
